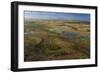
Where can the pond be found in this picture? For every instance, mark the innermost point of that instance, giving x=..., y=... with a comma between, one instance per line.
x=71, y=34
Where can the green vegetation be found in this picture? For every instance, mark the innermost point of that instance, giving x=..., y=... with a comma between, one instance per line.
x=55, y=40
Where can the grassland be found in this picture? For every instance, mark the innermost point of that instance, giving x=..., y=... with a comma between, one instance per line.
x=56, y=40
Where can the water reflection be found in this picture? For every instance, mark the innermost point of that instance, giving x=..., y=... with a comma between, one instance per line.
x=71, y=34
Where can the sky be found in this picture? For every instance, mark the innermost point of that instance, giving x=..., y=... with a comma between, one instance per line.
x=56, y=15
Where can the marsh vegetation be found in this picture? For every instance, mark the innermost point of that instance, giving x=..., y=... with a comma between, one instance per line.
x=56, y=40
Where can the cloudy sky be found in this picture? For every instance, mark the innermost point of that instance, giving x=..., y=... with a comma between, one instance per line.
x=56, y=15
